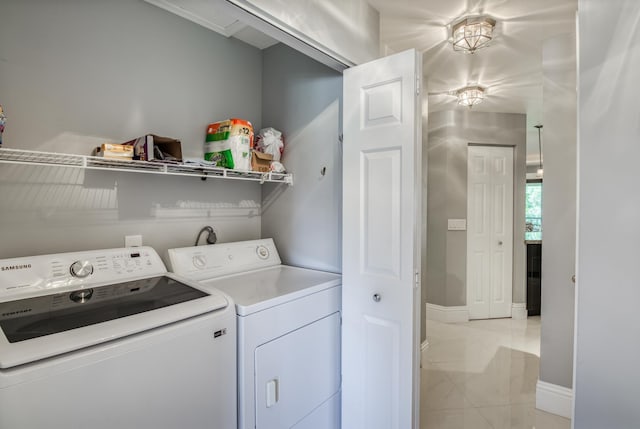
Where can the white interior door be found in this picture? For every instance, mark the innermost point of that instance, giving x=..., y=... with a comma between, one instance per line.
x=381, y=244
x=489, y=231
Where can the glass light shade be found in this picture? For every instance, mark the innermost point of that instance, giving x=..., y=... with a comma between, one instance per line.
x=540, y=172
x=472, y=34
x=470, y=96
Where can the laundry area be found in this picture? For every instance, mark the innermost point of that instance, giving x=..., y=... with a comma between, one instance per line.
x=241, y=214
x=130, y=133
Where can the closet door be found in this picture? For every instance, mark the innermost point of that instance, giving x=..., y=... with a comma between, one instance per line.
x=489, y=232
x=381, y=244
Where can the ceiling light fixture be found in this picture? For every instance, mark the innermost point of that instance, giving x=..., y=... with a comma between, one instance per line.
x=540, y=171
x=470, y=95
x=472, y=33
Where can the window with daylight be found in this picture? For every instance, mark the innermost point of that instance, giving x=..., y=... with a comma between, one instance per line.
x=533, y=211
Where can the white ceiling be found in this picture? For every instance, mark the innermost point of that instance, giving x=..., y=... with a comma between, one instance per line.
x=510, y=69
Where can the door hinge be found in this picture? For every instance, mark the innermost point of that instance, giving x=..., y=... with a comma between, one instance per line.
x=417, y=85
x=417, y=279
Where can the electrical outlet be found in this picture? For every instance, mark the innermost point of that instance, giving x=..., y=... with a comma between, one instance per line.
x=132, y=240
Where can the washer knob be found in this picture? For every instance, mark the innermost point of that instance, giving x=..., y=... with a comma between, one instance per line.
x=81, y=269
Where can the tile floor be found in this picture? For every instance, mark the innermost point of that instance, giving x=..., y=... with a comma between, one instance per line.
x=482, y=375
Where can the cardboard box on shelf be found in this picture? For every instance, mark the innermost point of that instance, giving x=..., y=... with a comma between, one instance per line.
x=261, y=161
x=151, y=147
x=114, y=151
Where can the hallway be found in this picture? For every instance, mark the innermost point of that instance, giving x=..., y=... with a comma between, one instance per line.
x=482, y=375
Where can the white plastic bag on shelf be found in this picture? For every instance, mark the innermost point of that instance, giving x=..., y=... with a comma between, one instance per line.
x=270, y=141
x=277, y=167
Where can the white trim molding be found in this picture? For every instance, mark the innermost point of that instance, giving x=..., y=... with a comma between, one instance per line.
x=440, y=313
x=554, y=399
x=519, y=311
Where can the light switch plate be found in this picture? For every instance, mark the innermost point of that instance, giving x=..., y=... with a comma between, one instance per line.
x=457, y=225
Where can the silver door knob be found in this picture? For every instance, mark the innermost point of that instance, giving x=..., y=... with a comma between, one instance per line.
x=377, y=297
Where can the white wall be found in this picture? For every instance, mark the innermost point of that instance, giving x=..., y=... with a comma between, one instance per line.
x=558, y=209
x=302, y=98
x=607, y=380
x=74, y=74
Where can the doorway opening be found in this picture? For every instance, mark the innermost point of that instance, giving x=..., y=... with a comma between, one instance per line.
x=533, y=242
x=482, y=373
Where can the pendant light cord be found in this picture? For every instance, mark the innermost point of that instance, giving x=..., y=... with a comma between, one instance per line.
x=539, y=127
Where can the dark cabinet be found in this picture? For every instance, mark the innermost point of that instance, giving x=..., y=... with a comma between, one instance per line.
x=534, y=278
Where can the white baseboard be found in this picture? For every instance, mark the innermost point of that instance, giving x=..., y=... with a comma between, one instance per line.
x=554, y=399
x=444, y=314
x=519, y=311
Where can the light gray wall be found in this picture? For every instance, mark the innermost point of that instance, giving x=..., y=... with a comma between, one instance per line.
x=434, y=274
x=75, y=74
x=558, y=209
x=345, y=29
x=607, y=380
x=302, y=98
x=450, y=132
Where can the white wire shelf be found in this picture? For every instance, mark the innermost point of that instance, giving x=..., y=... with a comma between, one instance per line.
x=29, y=157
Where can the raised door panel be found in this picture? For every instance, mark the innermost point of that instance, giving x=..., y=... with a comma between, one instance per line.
x=380, y=206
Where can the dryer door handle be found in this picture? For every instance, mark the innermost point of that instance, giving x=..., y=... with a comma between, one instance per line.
x=272, y=392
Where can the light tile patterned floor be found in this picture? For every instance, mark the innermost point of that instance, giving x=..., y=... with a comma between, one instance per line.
x=482, y=375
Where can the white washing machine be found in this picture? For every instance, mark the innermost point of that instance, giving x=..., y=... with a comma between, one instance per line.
x=289, y=323
x=108, y=339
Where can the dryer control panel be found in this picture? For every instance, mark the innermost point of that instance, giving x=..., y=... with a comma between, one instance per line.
x=33, y=274
x=205, y=262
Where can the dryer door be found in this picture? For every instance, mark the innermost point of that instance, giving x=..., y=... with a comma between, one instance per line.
x=297, y=374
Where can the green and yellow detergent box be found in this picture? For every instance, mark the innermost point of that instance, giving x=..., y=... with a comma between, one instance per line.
x=229, y=143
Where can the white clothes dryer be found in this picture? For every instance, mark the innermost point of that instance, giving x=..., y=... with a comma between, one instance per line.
x=289, y=324
x=108, y=339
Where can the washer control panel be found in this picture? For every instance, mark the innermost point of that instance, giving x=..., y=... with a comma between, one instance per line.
x=79, y=269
